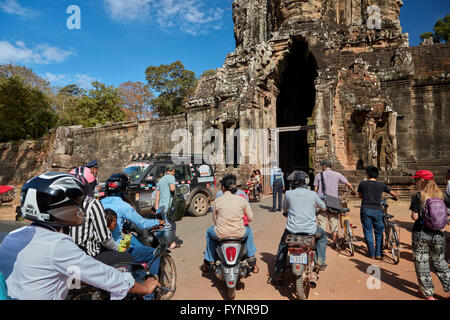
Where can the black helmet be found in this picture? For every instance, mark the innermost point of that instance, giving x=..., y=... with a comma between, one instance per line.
x=300, y=178
x=116, y=185
x=53, y=198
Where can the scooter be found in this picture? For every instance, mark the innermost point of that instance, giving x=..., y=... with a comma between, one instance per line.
x=233, y=263
x=301, y=257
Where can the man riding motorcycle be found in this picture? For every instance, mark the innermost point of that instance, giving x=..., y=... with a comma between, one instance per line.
x=228, y=214
x=116, y=188
x=300, y=207
x=39, y=261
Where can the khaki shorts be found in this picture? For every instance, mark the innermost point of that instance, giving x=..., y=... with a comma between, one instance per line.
x=323, y=217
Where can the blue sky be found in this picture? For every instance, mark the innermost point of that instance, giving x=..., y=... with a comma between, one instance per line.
x=118, y=39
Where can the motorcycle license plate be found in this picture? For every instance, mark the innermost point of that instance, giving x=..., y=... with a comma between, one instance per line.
x=302, y=258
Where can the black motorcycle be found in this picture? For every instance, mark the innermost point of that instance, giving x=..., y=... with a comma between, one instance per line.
x=141, y=271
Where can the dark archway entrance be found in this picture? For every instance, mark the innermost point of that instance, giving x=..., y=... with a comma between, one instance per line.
x=295, y=104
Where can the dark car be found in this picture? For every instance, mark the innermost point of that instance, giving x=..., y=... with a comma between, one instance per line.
x=196, y=182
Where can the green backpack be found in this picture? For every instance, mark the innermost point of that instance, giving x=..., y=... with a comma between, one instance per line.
x=176, y=210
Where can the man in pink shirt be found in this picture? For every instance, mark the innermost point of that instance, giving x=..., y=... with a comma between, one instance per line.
x=331, y=179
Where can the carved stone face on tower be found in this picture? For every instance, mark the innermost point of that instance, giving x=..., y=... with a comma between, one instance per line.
x=283, y=11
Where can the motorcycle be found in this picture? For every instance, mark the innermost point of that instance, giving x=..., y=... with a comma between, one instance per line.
x=301, y=257
x=251, y=189
x=233, y=263
x=140, y=271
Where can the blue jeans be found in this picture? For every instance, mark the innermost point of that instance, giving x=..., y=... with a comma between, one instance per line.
x=170, y=226
x=211, y=238
x=144, y=254
x=372, y=222
x=277, y=189
x=321, y=250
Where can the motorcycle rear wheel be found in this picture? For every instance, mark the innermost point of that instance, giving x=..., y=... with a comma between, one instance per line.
x=167, y=277
x=302, y=285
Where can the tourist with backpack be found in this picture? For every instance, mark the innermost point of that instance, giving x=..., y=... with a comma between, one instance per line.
x=428, y=239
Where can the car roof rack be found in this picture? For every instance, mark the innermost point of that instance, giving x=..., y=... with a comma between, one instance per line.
x=164, y=156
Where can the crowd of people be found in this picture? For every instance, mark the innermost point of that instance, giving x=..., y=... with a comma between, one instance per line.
x=70, y=226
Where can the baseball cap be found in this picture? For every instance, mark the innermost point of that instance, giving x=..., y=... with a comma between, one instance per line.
x=92, y=164
x=424, y=174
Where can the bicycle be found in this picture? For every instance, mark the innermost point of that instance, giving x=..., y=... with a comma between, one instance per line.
x=347, y=238
x=392, y=240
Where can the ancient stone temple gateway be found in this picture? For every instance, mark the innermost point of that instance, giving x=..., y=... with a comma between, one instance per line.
x=343, y=66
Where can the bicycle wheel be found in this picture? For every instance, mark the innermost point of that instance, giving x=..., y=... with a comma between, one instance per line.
x=395, y=245
x=349, y=237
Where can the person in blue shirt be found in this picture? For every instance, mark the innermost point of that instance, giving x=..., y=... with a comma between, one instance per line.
x=116, y=201
x=3, y=289
x=277, y=185
x=165, y=187
x=300, y=207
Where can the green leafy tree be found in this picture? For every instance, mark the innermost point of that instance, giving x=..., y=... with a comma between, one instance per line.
x=208, y=73
x=25, y=111
x=174, y=84
x=66, y=102
x=426, y=35
x=442, y=29
x=29, y=77
x=101, y=104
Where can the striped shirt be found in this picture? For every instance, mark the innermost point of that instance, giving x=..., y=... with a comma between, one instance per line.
x=94, y=231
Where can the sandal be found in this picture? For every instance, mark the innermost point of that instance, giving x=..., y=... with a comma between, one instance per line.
x=205, y=267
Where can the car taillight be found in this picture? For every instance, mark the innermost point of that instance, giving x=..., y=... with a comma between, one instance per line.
x=231, y=253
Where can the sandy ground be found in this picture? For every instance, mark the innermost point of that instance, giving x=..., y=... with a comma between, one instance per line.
x=346, y=278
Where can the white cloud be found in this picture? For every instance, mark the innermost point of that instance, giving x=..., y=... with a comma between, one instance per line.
x=189, y=16
x=41, y=54
x=128, y=10
x=82, y=80
x=13, y=7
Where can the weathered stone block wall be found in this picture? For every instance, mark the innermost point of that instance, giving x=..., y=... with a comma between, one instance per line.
x=21, y=161
x=113, y=145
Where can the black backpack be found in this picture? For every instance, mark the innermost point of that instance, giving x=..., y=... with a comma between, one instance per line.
x=178, y=206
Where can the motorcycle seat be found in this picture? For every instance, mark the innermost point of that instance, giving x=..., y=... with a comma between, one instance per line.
x=231, y=239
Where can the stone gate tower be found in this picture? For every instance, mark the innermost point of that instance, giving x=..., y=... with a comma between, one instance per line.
x=343, y=66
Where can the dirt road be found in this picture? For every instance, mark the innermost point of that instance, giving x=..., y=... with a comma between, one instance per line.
x=345, y=278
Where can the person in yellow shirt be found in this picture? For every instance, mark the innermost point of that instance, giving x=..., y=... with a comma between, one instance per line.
x=228, y=218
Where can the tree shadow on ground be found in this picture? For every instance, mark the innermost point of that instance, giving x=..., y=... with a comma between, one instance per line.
x=287, y=286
